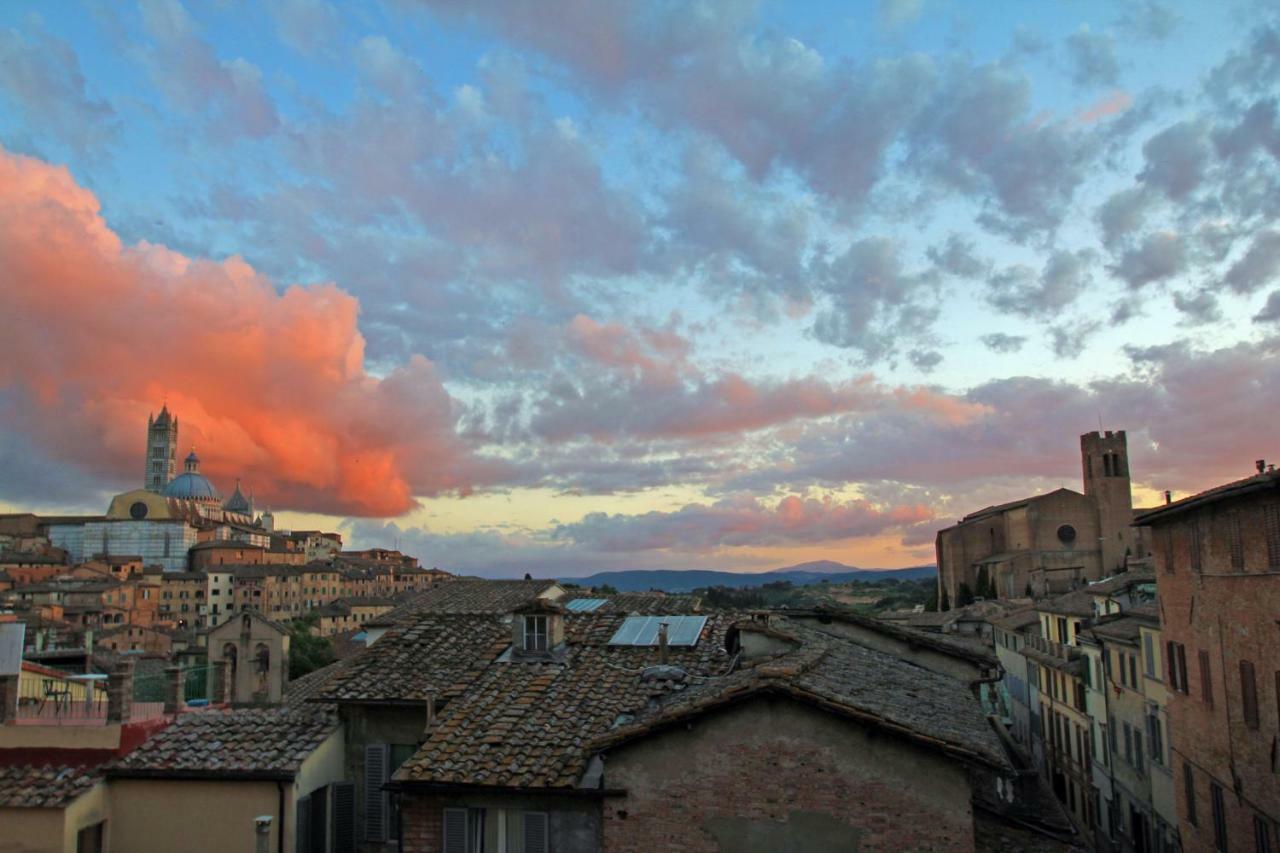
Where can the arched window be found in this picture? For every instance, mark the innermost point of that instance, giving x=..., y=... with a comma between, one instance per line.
x=262, y=657
x=229, y=654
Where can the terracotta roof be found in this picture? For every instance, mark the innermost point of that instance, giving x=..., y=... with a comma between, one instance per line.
x=27, y=786
x=240, y=744
x=644, y=603
x=957, y=646
x=846, y=678
x=1265, y=482
x=1017, y=620
x=301, y=690
x=530, y=723
x=1076, y=603
x=467, y=596
x=991, y=510
x=1120, y=582
x=435, y=654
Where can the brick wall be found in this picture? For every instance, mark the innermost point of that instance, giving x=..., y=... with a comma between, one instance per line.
x=421, y=824
x=772, y=774
x=1229, y=613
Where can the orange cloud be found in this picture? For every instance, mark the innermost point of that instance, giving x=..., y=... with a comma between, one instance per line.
x=269, y=385
x=1117, y=102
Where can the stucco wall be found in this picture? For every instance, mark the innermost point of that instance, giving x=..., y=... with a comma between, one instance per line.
x=32, y=831
x=165, y=815
x=771, y=775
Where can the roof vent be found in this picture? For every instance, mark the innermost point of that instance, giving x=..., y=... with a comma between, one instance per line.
x=1262, y=465
x=663, y=673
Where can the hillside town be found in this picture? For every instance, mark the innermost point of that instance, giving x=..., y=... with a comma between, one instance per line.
x=232, y=685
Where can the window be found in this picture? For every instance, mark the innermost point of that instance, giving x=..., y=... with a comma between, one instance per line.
x=1195, y=545
x=1133, y=671
x=1177, y=654
x=535, y=633
x=1155, y=736
x=1206, y=679
x=1248, y=694
x=1271, y=520
x=1148, y=656
x=1235, y=541
x=1219, y=816
x=1189, y=792
x=1062, y=629
x=495, y=831
x=1128, y=744
x=89, y=839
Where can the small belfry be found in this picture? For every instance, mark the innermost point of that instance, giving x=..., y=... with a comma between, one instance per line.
x=162, y=450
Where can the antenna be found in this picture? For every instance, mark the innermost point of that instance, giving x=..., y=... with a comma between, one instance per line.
x=1099, y=421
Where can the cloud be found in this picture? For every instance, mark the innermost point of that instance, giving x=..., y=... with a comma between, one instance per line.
x=1117, y=103
x=899, y=13
x=40, y=76
x=1064, y=278
x=1123, y=214
x=229, y=93
x=1177, y=159
x=1270, y=312
x=1259, y=265
x=307, y=26
x=1093, y=58
x=874, y=302
x=1150, y=20
x=1003, y=343
x=1068, y=340
x=1161, y=255
x=958, y=257
x=1199, y=308
x=739, y=522
x=270, y=385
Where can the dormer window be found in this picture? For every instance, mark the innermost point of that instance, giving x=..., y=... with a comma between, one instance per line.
x=535, y=633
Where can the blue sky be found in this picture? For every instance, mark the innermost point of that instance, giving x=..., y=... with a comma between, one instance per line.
x=693, y=284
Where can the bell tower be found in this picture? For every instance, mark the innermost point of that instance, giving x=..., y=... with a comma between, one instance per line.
x=162, y=450
x=1105, y=458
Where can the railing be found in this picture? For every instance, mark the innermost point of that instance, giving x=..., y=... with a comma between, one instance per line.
x=61, y=699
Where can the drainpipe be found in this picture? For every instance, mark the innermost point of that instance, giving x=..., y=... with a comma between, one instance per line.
x=280, y=832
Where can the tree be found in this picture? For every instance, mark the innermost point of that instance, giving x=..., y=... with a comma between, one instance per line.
x=931, y=604
x=606, y=589
x=982, y=582
x=307, y=651
x=964, y=595
x=946, y=601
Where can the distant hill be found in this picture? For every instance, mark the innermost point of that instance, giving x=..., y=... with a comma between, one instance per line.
x=675, y=580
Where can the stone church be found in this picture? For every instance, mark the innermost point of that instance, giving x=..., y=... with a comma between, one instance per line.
x=1049, y=543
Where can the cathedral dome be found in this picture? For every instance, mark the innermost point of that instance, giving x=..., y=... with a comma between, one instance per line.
x=191, y=485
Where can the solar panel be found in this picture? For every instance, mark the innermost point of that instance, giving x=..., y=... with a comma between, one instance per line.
x=643, y=630
x=585, y=605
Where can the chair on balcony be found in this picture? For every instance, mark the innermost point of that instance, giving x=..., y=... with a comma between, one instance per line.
x=59, y=692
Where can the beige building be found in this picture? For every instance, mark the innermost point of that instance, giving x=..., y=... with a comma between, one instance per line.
x=62, y=809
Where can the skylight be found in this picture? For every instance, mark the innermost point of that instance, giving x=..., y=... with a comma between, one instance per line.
x=643, y=630
x=584, y=605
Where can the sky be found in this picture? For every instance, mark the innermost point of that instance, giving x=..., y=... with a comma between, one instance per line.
x=586, y=285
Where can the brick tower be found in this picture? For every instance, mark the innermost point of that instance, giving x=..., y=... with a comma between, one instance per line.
x=1105, y=457
x=162, y=450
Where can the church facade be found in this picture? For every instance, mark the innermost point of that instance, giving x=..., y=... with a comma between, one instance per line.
x=1050, y=543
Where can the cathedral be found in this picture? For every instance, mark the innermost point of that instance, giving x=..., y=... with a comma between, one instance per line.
x=172, y=512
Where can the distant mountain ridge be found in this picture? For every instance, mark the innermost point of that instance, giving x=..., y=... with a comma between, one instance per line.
x=678, y=580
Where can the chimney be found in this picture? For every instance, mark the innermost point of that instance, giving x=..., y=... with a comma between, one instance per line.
x=662, y=642
x=1168, y=496
x=173, y=699
x=1262, y=465
x=120, y=692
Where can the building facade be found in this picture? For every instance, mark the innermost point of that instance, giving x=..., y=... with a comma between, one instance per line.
x=1217, y=557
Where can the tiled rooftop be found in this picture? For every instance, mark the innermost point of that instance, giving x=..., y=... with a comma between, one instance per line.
x=434, y=654
x=467, y=596
x=243, y=743
x=531, y=723
x=849, y=679
x=28, y=786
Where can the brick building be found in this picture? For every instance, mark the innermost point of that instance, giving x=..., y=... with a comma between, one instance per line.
x=1050, y=543
x=1217, y=560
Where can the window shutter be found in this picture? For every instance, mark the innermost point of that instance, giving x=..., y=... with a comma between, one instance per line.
x=1272, y=523
x=455, y=831
x=1171, y=659
x=375, y=799
x=1248, y=694
x=344, y=817
x=1182, y=669
x=535, y=832
x=319, y=820
x=302, y=824
x=1206, y=679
